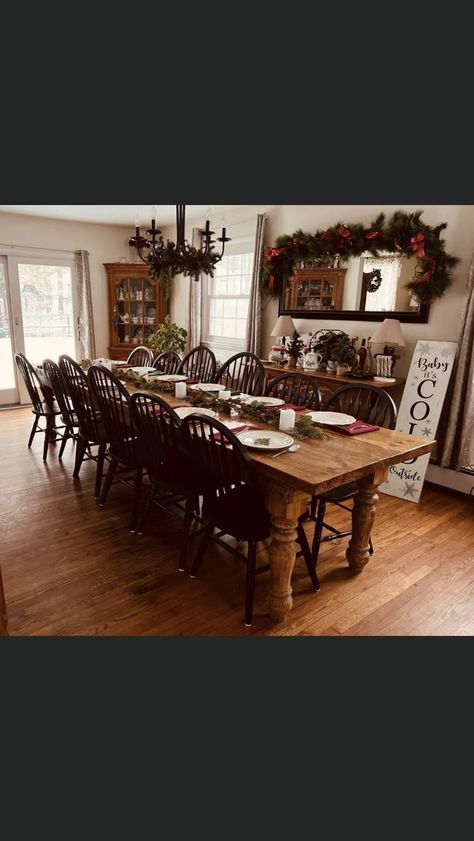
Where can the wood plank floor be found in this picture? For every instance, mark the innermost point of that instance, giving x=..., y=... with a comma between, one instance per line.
x=72, y=569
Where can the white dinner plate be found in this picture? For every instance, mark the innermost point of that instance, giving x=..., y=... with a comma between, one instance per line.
x=269, y=401
x=207, y=387
x=184, y=411
x=276, y=440
x=143, y=371
x=331, y=418
x=172, y=378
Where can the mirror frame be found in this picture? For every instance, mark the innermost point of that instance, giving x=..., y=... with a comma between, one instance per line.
x=418, y=316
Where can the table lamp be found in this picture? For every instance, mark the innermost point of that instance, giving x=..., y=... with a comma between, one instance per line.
x=284, y=327
x=390, y=334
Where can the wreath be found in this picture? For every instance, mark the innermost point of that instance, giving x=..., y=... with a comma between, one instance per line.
x=404, y=233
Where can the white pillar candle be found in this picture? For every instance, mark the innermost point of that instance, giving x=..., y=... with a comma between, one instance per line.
x=224, y=395
x=180, y=390
x=287, y=419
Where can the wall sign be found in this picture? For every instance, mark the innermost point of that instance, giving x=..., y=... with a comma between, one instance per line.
x=419, y=413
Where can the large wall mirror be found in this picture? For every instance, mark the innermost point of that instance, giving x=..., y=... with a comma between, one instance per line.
x=366, y=289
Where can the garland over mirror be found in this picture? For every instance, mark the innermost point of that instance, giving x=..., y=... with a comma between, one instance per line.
x=402, y=268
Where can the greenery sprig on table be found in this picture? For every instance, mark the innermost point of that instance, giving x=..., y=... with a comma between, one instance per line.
x=404, y=233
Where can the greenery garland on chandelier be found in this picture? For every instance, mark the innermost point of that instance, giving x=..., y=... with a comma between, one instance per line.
x=404, y=233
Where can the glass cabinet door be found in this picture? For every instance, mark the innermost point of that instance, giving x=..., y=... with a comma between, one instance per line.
x=135, y=308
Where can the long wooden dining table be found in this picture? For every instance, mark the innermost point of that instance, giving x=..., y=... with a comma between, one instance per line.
x=288, y=482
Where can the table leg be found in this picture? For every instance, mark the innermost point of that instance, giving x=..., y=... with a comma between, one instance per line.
x=285, y=506
x=363, y=516
x=3, y=610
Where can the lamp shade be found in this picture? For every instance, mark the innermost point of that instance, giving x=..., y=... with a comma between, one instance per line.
x=389, y=333
x=283, y=327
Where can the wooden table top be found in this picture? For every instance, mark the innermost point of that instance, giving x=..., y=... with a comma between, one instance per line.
x=272, y=368
x=322, y=464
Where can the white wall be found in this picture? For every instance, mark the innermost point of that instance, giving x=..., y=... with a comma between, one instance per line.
x=105, y=244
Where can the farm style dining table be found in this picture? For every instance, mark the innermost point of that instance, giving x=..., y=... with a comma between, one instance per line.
x=290, y=481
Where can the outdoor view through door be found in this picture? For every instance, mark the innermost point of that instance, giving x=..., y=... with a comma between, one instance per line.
x=40, y=321
x=7, y=373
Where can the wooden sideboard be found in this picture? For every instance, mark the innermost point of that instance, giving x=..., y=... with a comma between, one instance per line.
x=328, y=383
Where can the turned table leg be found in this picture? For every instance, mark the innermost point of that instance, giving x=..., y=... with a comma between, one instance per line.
x=285, y=506
x=3, y=610
x=363, y=516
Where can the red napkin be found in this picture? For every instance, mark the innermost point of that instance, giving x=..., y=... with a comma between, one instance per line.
x=217, y=435
x=191, y=382
x=356, y=428
x=291, y=406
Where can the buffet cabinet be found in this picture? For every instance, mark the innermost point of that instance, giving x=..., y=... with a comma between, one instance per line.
x=137, y=306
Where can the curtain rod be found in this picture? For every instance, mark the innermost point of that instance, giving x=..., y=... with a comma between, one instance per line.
x=39, y=248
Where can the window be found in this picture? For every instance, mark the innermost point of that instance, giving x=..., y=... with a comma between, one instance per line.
x=225, y=301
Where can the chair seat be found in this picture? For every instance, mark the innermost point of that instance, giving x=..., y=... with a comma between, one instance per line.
x=72, y=420
x=181, y=477
x=139, y=458
x=48, y=409
x=339, y=494
x=239, y=513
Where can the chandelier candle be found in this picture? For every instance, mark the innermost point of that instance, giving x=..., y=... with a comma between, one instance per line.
x=167, y=259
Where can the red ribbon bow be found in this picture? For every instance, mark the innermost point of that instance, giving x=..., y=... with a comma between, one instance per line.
x=372, y=235
x=418, y=244
x=343, y=231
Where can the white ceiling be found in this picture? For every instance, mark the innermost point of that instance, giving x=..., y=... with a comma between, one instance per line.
x=118, y=214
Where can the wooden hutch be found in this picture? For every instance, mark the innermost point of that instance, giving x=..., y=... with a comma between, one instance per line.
x=137, y=305
x=315, y=289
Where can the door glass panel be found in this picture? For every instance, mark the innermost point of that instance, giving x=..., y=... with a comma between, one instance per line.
x=46, y=303
x=7, y=376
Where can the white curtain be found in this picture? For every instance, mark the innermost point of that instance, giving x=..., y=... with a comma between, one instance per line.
x=195, y=301
x=86, y=335
x=254, y=319
x=457, y=451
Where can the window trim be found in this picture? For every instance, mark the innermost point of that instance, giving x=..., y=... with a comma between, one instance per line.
x=238, y=245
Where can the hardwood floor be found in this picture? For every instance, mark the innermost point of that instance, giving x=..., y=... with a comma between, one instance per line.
x=72, y=569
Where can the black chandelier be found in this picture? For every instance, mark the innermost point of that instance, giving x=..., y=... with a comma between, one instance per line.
x=167, y=259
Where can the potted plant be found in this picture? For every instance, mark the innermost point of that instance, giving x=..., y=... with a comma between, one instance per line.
x=343, y=354
x=168, y=337
x=294, y=348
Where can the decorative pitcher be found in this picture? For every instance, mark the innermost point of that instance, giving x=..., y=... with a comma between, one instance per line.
x=312, y=360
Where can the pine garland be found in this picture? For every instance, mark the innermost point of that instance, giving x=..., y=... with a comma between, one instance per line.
x=304, y=427
x=404, y=233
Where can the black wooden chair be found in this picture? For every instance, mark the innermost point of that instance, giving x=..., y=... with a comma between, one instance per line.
x=242, y=372
x=171, y=473
x=125, y=448
x=68, y=416
x=140, y=357
x=232, y=499
x=295, y=388
x=364, y=402
x=199, y=364
x=168, y=362
x=40, y=408
x=91, y=428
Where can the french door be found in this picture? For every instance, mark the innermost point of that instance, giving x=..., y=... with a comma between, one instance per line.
x=38, y=316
